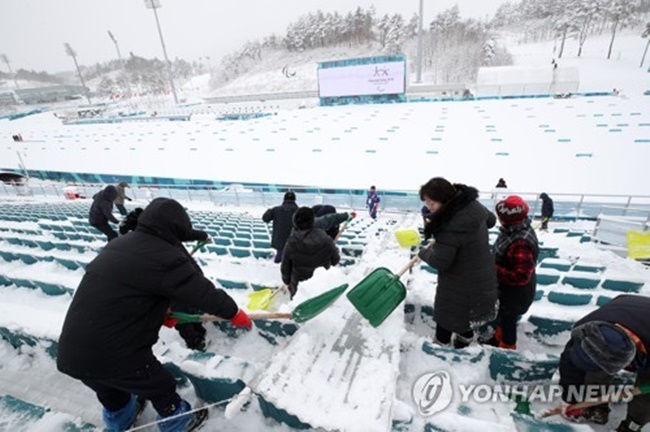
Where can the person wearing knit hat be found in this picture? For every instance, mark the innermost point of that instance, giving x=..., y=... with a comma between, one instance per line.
x=466, y=293
x=281, y=216
x=512, y=210
x=515, y=255
x=612, y=338
x=307, y=248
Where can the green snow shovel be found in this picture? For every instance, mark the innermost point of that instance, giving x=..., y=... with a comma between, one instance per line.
x=379, y=293
x=199, y=245
x=303, y=312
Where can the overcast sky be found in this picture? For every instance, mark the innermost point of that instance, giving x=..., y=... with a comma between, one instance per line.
x=32, y=32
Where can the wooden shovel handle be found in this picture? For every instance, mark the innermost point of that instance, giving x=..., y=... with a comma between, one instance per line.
x=252, y=316
x=413, y=261
x=587, y=404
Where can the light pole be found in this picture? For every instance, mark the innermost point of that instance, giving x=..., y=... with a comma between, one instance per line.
x=155, y=4
x=11, y=72
x=69, y=51
x=418, y=76
x=119, y=56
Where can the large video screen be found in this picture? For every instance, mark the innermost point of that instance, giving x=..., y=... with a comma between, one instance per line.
x=363, y=79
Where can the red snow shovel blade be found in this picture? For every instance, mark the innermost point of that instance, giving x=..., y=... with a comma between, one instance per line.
x=377, y=295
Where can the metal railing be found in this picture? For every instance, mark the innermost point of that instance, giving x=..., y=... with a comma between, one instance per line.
x=567, y=206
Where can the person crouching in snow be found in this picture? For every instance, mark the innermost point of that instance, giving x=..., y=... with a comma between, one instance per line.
x=307, y=248
x=118, y=309
x=612, y=338
x=515, y=255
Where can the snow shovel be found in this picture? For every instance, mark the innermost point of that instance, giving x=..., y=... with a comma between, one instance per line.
x=408, y=237
x=379, y=293
x=303, y=312
x=636, y=391
x=198, y=246
x=260, y=300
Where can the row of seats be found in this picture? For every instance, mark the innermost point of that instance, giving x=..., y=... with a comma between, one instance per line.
x=32, y=259
x=47, y=287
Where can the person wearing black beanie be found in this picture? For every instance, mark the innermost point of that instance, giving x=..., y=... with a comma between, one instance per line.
x=307, y=248
x=612, y=338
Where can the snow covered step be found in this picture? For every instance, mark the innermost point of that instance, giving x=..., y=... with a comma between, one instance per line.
x=512, y=366
x=331, y=365
x=569, y=299
x=582, y=280
x=270, y=330
x=622, y=285
x=556, y=263
x=215, y=378
x=19, y=415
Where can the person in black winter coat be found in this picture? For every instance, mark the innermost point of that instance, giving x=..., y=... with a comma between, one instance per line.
x=281, y=217
x=547, y=210
x=119, y=307
x=466, y=295
x=612, y=338
x=192, y=333
x=307, y=249
x=101, y=211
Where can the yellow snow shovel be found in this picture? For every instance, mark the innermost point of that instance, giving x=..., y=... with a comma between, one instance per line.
x=260, y=300
x=408, y=237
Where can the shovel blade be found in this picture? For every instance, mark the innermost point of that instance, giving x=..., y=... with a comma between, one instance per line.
x=315, y=305
x=260, y=300
x=408, y=237
x=377, y=295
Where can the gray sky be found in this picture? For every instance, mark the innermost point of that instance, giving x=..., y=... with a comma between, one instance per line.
x=32, y=32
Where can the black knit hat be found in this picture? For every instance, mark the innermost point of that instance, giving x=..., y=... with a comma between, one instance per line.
x=303, y=218
x=289, y=196
x=437, y=189
x=600, y=345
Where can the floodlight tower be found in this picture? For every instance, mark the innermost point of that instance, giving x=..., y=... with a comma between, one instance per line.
x=69, y=51
x=119, y=56
x=155, y=5
x=5, y=59
x=418, y=76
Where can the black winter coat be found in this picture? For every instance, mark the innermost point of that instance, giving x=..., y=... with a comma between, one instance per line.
x=119, y=306
x=547, y=206
x=632, y=312
x=282, y=217
x=467, y=285
x=305, y=251
x=101, y=210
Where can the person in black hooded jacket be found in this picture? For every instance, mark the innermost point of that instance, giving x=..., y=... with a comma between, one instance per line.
x=547, y=210
x=119, y=307
x=101, y=211
x=466, y=295
x=307, y=249
x=281, y=217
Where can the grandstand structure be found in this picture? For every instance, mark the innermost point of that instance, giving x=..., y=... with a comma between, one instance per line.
x=45, y=245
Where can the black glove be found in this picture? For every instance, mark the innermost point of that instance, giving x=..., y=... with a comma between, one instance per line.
x=128, y=198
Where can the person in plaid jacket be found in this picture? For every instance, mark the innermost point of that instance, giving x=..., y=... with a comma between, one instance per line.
x=515, y=254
